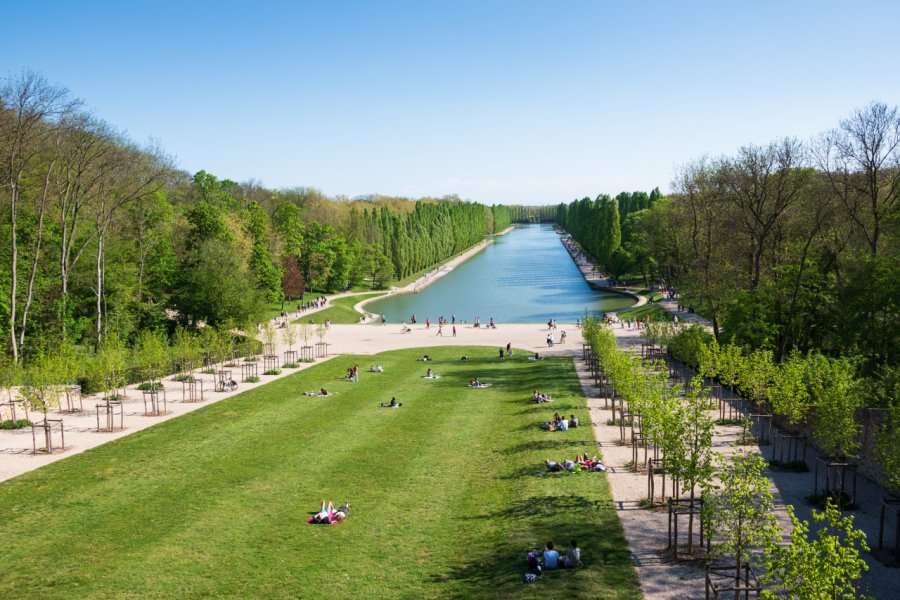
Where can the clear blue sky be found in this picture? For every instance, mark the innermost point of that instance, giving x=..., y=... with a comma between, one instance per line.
x=516, y=101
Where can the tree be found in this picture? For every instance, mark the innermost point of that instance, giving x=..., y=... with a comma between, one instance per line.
x=108, y=366
x=788, y=393
x=822, y=568
x=687, y=445
x=835, y=394
x=151, y=354
x=186, y=347
x=887, y=450
x=40, y=383
x=292, y=282
x=27, y=103
x=289, y=334
x=739, y=511
x=861, y=160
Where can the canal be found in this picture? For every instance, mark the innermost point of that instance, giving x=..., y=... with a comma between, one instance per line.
x=525, y=276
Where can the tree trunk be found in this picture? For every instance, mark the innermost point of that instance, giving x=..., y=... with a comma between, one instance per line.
x=14, y=196
x=37, y=254
x=99, y=289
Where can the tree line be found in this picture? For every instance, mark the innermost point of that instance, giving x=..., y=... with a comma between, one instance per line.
x=606, y=230
x=103, y=235
x=789, y=245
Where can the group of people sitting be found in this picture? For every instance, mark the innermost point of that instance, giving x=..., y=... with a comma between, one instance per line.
x=329, y=515
x=353, y=373
x=540, y=398
x=581, y=462
x=474, y=383
x=392, y=404
x=376, y=369
x=560, y=423
x=551, y=559
x=322, y=392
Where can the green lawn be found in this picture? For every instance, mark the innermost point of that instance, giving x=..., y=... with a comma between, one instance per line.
x=446, y=494
x=339, y=310
x=654, y=312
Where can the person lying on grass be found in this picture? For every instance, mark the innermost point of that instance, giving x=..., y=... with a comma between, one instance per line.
x=592, y=464
x=392, y=404
x=580, y=463
x=478, y=384
x=424, y=358
x=322, y=392
x=327, y=514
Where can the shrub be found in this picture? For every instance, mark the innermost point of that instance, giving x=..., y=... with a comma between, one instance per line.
x=147, y=386
x=252, y=379
x=272, y=372
x=18, y=424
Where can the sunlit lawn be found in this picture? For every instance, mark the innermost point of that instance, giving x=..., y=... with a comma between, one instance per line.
x=339, y=310
x=445, y=491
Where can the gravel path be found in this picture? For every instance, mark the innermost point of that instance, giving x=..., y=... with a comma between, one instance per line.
x=646, y=530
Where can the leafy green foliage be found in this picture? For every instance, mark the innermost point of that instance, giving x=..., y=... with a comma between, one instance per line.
x=824, y=567
x=738, y=511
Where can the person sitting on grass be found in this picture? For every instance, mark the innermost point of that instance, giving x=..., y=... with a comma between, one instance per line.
x=573, y=556
x=536, y=356
x=430, y=375
x=573, y=422
x=464, y=358
x=392, y=404
x=563, y=425
x=424, y=357
x=327, y=514
x=478, y=384
x=549, y=425
x=551, y=557
x=376, y=369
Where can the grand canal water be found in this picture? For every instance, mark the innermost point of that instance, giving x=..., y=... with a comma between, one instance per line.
x=525, y=276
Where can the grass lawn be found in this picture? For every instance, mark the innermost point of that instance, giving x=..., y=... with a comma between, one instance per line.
x=448, y=494
x=653, y=312
x=339, y=310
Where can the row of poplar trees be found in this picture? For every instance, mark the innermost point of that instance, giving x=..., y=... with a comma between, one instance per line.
x=101, y=235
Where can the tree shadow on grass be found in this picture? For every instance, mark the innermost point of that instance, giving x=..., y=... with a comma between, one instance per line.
x=498, y=571
x=548, y=445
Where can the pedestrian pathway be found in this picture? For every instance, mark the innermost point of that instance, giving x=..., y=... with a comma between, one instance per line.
x=646, y=529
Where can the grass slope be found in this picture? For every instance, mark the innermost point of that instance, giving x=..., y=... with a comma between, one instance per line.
x=446, y=497
x=339, y=310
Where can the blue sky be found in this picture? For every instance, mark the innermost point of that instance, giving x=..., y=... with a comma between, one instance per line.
x=518, y=101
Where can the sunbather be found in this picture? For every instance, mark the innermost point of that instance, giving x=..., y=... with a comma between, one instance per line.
x=392, y=404
x=327, y=514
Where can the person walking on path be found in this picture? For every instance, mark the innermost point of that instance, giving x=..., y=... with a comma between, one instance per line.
x=440, y=331
x=427, y=323
x=549, y=340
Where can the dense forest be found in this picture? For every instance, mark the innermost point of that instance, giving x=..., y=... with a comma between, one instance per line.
x=101, y=235
x=788, y=246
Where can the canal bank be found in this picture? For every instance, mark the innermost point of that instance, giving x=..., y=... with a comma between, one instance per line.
x=593, y=276
x=431, y=276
